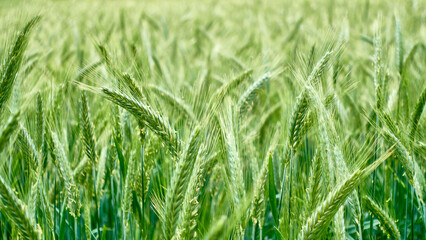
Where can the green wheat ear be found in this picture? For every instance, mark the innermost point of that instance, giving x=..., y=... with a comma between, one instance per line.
x=187, y=222
x=259, y=203
x=418, y=110
x=247, y=99
x=13, y=61
x=179, y=182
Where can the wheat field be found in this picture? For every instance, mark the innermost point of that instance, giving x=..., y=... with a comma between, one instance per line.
x=211, y=119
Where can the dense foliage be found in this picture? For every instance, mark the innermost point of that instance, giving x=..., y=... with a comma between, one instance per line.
x=212, y=119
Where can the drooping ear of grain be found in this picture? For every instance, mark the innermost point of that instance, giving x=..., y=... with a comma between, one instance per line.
x=152, y=119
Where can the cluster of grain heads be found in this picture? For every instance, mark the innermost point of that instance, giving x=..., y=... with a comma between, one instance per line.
x=321, y=217
x=10, y=205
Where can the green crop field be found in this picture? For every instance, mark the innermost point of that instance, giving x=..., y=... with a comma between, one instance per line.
x=226, y=119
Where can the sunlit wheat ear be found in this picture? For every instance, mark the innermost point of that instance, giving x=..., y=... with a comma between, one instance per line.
x=297, y=122
x=179, y=182
x=232, y=159
x=321, y=217
x=108, y=62
x=31, y=157
x=319, y=68
x=387, y=222
x=125, y=80
x=301, y=109
x=152, y=119
x=16, y=212
x=12, y=63
x=378, y=72
x=132, y=87
x=187, y=223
